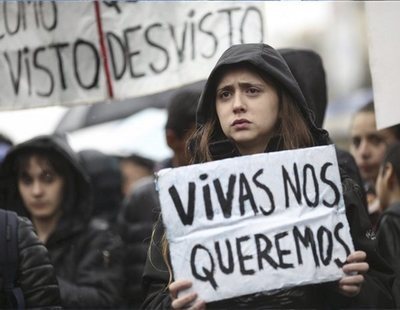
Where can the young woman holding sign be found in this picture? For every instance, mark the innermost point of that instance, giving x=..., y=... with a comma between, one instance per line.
x=252, y=104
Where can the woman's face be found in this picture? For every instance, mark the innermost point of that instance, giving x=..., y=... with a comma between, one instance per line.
x=247, y=109
x=41, y=188
x=368, y=145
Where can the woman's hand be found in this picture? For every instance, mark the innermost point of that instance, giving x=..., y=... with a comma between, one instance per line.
x=187, y=301
x=350, y=284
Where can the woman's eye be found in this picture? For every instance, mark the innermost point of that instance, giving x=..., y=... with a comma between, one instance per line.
x=25, y=180
x=224, y=94
x=48, y=177
x=356, y=141
x=253, y=91
x=376, y=140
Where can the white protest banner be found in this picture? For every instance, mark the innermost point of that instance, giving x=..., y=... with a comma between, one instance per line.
x=49, y=54
x=266, y=221
x=64, y=53
x=154, y=46
x=384, y=45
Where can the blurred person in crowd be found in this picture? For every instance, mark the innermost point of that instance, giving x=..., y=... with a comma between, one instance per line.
x=141, y=207
x=180, y=124
x=5, y=145
x=34, y=273
x=368, y=146
x=133, y=168
x=308, y=70
x=388, y=228
x=43, y=180
x=106, y=181
x=253, y=82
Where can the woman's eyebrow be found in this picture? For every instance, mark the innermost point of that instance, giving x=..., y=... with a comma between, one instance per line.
x=249, y=84
x=241, y=85
x=23, y=174
x=225, y=87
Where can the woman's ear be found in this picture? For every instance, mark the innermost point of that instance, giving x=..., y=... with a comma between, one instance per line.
x=171, y=138
x=176, y=143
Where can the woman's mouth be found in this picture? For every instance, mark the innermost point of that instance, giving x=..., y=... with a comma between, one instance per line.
x=39, y=205
x=240, y=123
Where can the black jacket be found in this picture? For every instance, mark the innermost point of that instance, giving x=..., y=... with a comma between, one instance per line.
x=376, y=289
x=88, y=261
x=135, y=224
x=35, y=276
x=388, y=236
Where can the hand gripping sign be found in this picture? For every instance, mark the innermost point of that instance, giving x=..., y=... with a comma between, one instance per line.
x=267, y=221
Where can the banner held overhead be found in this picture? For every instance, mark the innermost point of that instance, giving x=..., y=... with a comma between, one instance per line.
x=51, y=52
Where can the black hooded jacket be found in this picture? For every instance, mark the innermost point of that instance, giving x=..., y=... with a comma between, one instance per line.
x=87, y=261
x=375, y=291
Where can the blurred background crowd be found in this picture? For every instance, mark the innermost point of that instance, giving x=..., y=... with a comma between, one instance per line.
x=117, y=146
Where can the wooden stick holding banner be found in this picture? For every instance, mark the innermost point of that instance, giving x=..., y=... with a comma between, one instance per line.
x=266, y=221
x=103, y=49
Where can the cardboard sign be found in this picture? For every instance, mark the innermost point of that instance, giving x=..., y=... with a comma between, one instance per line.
x=384, y=43
x=65, y=53
x=266, y=221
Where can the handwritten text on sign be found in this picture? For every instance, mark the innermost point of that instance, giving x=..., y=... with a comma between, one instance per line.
x=169, y=44
x=266, y=221
x=49, y=54
x=50, y=51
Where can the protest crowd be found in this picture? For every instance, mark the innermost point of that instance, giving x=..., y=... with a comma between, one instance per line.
x=256, y=208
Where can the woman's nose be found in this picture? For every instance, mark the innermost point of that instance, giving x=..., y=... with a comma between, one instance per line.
x=239, y=104
x=364, y=149
x=37, y=188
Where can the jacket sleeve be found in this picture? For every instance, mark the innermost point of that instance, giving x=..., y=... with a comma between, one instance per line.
x=36, y=275
x=156, y=275
x=376, y=289
x=99, y=273
x=389, y=247
x=388, y=240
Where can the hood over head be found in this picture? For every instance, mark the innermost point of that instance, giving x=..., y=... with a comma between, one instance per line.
x=106, y=179
x=77, y=205
x=268, y=62
x=308, y=70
